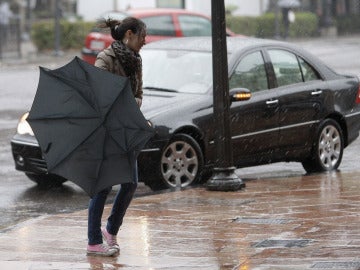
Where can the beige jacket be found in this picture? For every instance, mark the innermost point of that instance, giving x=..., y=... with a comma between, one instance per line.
x=107, y=60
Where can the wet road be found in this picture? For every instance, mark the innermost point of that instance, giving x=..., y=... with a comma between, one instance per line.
x=20, y=199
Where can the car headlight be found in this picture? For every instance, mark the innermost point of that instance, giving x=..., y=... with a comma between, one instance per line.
x=23, y=126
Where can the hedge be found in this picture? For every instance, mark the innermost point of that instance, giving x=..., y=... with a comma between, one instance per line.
x=305, y=25
x=72, y=34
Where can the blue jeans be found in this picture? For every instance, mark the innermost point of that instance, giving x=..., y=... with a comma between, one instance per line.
x=96, y=209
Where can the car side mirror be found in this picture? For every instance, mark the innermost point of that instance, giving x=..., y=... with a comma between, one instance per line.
x=239, y=94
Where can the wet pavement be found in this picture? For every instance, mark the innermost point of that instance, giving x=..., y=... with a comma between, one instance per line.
x=286, y=221
x=299, y=222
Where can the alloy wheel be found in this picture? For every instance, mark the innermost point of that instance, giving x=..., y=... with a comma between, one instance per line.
x=179, y=164
x=329, y=146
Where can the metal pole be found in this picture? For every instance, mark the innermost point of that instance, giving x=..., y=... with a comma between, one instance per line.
x=277, y=23
x=28, y=20
x=57, y=51
x=1, y=41
x=18, y=36
x=328, y=18
x=224, y=177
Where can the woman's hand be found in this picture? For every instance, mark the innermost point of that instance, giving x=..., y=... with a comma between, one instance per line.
x=138, y=101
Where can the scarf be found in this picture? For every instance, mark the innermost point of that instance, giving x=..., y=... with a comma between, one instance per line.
x=130, y=61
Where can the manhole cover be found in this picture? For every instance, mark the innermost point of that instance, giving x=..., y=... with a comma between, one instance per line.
x=269, y=243
x=250, y=220
x=337, y=265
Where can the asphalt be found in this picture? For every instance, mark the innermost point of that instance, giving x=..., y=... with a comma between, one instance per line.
x=276, y=223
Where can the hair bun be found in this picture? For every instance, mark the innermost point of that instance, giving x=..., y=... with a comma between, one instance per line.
x=108, y=23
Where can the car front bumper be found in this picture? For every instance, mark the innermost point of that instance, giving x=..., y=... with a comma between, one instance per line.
x=28, y=156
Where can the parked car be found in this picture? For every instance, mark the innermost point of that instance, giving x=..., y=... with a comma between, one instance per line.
x=300, y=110
x=162, y=23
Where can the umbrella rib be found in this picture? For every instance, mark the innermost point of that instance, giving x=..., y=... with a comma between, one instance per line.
x=77, y=85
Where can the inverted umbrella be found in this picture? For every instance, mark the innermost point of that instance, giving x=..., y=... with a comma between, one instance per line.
x=88, y=125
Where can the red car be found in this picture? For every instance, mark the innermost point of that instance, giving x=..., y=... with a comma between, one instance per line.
x=161, y=24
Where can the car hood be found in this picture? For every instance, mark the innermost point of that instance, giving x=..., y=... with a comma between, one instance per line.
x=157, y=103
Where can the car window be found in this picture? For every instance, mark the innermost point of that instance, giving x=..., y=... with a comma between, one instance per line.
x=194, y=26
x=286, y=67
x=250, y=73
x=159, y=25
x=309, y=73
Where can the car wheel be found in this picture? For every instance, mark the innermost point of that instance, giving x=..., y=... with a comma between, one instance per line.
x=328, y=148
x=181, y=162
x=46, y=180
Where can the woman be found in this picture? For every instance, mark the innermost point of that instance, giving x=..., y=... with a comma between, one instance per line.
x=121, y=58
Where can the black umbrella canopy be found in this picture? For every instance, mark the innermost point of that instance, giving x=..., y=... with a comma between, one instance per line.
x=88, y=125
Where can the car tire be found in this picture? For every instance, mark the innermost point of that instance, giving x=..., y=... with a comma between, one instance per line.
x=181, y=163
x=328, y=148
x=46, y=180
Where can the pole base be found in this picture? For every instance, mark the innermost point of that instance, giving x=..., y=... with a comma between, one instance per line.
x=224, y=179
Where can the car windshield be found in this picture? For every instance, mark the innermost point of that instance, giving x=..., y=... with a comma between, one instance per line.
x=177, y=71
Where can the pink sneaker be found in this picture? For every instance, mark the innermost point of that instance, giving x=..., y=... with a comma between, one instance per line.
x=110, y=239
x=100, y=250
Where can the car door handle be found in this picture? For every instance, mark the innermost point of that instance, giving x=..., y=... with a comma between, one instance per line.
x=272, y=102
x=316, y=93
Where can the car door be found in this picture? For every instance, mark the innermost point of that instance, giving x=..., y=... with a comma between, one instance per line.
x=301, y=96
x=254, y=123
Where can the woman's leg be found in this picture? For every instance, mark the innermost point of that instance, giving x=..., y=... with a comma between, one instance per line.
x=122, y=201
x=96, y=209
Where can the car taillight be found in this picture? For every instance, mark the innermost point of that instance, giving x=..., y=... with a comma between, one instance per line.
x=358, y=96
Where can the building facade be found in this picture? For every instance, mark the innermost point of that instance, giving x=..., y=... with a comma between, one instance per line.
x=91, y=9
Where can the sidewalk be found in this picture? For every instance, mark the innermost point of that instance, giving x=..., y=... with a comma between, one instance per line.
x=30, y=56
x=297, y=223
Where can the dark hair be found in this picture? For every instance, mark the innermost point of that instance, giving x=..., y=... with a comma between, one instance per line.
x=119, y=28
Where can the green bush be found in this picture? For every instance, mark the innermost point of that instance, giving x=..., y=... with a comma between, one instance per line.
x=72, y=34
x=305, y=25
x=242, y=25
x=266, y=26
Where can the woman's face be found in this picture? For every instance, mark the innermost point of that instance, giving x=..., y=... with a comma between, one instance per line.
x=136, y=41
